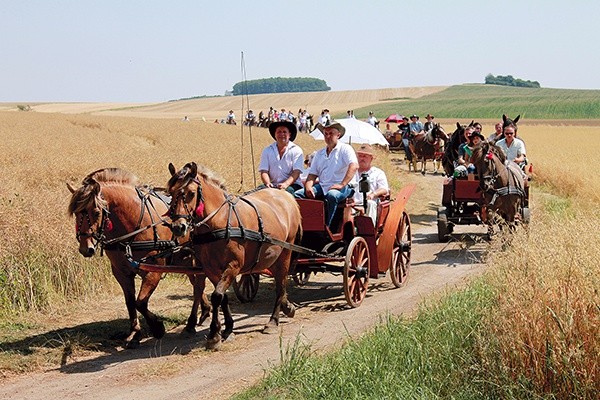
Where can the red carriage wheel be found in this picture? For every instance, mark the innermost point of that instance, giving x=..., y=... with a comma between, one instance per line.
x=246, y=287
x=356, y=272
x=400, y=266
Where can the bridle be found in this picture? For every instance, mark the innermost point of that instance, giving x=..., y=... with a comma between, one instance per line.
x=488, y=181
x=97, y=235
x=189, y=214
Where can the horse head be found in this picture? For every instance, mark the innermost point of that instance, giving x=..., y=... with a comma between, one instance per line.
x=506, y=121
x=186, y=194
x=91, y=215
x=439, y=132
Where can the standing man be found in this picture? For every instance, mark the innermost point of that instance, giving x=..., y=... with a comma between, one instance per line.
x=281, y=162
x=378, y=184
x=372, y=120
x=335, y=166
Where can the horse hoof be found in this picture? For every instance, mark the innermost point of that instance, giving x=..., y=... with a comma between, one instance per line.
x=214, y=343
x=270, y=329
x=229, y=338
x=158, y=330
x=188, y=331
x=291, y=312
x=422, y=172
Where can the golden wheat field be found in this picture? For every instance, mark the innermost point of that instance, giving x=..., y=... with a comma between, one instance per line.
x=554, y=265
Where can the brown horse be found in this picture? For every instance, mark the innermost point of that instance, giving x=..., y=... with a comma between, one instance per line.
x=110, y=206
x=426, y=146
x=231, y=236
x=503, y=186
x=451, y=149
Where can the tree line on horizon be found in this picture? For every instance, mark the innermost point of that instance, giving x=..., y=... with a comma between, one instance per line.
x=509, y=80
x=280, y=85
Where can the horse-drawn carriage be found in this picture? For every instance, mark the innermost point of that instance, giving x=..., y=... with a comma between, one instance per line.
x=355, y=247
x=497, y=190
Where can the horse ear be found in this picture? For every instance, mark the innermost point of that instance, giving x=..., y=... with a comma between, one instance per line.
x=172, y=169
x=504, y=117
x=71, y=188
x=516, y=119
x=194, y=168
x=472, y=122
x=95, y=186
x=458, y=125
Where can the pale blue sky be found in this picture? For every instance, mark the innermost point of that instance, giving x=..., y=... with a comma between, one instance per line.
x=146, y=51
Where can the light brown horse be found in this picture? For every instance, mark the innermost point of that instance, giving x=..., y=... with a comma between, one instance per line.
x=231, y=234
x=109, y=206
x=429, y=146
x=503, y=186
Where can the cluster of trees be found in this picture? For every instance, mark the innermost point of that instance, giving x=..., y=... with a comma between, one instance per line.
x=510, y=81
x=280, y=85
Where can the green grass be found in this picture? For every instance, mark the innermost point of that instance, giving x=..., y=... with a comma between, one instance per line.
x=491, y=101
x=433, y=356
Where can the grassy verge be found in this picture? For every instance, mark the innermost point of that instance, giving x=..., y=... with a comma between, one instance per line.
x=529, y=328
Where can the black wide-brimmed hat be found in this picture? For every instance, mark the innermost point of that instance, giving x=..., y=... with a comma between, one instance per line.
x=291, y=127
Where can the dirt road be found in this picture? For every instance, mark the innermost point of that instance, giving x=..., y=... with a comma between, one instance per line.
x=176, y=367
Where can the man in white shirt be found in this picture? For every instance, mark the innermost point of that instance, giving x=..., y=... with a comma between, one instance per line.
x=378, y=184
x=513, y=147
x=335, y=166
x=372, y=120
x=281, y=162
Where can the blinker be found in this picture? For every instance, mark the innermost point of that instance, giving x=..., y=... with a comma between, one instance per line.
x=109, y=224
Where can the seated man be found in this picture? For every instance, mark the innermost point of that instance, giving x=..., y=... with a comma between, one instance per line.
x=378, y=184
x=335, y=166
x=464, y=152
x=513, y=147
x=281, y=162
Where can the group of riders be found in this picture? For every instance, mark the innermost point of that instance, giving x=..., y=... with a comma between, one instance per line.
x=302, y=119
x=504, y=136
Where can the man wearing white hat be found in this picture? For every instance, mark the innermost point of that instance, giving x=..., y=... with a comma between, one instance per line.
x=335, y=166
x=378, y=184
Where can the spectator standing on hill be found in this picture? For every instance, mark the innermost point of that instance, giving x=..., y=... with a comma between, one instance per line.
x=281, y=162
x=372, y=120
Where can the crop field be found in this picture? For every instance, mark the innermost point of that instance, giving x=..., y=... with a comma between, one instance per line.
x=40, y=269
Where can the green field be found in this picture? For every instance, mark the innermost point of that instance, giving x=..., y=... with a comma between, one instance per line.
x=491, y=101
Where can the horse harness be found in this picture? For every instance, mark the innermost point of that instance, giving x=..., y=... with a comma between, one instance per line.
x=492, y=178
x=127, y=241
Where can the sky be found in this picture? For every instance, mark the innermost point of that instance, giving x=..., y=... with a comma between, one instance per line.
x=153, y=51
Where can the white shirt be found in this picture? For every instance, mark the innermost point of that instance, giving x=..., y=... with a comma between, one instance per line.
x=377, y=180
x=331, y=169
x=372, y=120
x=279, y=169
x=516, y=149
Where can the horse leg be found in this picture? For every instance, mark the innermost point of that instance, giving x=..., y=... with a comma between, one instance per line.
x=280, y=273
x=149, y=283
x=200, y=300
x=423, y=165
x=127, y=283
x=218, y=297
x=228, y=332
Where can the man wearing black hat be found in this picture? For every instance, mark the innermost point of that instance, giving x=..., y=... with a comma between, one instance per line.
x=281, y=162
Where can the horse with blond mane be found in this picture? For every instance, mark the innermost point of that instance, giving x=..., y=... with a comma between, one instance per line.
x=234, y=235
x=502, y=183
x=113, y=213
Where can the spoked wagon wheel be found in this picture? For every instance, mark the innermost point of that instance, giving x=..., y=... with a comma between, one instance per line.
x=246, y=287
x=400, y=266
x=301, y=278
x=356, y=272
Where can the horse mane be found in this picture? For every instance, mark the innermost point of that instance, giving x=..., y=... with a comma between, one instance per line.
x=87, y=196
x=111, y=175
x=481, y=150
x=186, y=174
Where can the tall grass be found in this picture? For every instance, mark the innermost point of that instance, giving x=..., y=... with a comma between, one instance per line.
x=491, y=101
x=529, y=328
